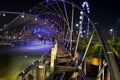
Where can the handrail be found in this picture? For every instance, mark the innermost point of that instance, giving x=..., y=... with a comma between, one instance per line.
x=34, y=64
x=79, y=71
x=29, y=68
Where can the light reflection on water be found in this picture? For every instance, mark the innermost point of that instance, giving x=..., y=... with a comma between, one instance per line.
x=15, y=61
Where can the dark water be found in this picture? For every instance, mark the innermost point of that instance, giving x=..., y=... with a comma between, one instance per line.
x=14, y=59
x=5, y=61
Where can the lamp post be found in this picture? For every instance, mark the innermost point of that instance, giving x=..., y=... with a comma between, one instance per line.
x=112, y=34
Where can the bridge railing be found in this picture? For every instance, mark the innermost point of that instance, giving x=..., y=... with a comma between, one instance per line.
x=30, y=71
x=44, y=68
x=40, y=69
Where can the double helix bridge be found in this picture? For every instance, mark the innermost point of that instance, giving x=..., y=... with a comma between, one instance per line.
x=79, y=51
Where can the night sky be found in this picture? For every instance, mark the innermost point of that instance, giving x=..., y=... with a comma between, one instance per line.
x=105, y=12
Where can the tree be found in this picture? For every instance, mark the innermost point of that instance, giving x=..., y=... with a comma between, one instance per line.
x=115, y=46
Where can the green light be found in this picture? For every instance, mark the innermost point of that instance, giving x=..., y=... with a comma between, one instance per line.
x=25, y=56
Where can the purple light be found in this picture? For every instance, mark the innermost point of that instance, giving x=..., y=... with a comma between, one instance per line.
x=36, y=46
x=59, y=16
x=46, y=1
x=42, y=30
x=53, y=0
x=62, y=0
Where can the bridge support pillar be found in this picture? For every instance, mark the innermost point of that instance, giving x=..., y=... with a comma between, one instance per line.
x=19, y=78
x=41, y=72
x=53, y=57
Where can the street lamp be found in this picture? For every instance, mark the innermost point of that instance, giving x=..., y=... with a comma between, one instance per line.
x=77, y=25
x=111, y=30
x=112, y=34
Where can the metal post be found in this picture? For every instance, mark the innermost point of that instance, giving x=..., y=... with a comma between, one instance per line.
x=53, y=57
x=108, y=74
x=52, y=64
x=100, y=66
x=103, y=73
x=85, y=53
x=41, y=72
x=85, y=64
x=78, y=37
x=63, y=33
x=71, y=28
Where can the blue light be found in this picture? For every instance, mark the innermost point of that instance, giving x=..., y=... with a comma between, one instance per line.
x=87, y=6
x=118, y=61
x=80, y=22
x=88, y=11
x=46, y=1
x=81, y=12
x=41, y=30
x=81, y=32
x=77, y=25
x=81, y=17
x=82, y=5
x=88, y=19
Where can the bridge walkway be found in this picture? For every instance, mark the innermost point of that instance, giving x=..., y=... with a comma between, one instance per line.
x=56, y=65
